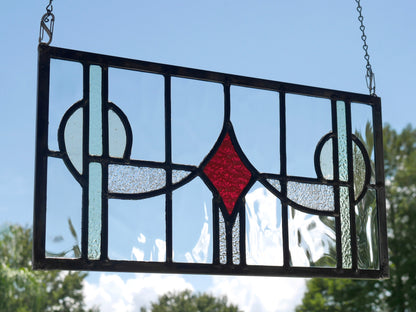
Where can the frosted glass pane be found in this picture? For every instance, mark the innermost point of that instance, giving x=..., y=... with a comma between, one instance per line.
x=73, y=139
x=263, y=228
x=116, y=135
x=95, y=103
x=311, y=240
x=192, y=223
x=367, y=231
x=260, y=143
x=275, y=184
x=236, y=240
x=125, y=179
x=314, y=196
x=223, y=239
x=64, y=198
x=179, y=175
x=137, y=229
x=94, y=211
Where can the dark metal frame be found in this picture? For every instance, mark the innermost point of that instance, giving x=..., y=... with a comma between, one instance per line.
x=40, y=261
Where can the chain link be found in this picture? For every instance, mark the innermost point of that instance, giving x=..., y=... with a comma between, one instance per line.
x=370, y=76
x=46, y=25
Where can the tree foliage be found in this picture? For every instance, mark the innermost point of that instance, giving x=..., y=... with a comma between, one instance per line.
x=398, y=292
x=24, y=290
x=186, y=301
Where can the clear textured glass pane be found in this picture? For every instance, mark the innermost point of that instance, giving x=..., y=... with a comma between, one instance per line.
x=345, y=227
x=260, y=143
x=125, y=179
x=326, y=160
x=137, y=229
x=65, y=90
x=94, y=210
x=342, y=141
x=63, y=216
x=314, y=196
x=236, y=240
x=263, y=228
x=362, y=127
x=179, y=175
x=367, y=231
x=275, y=184
x=308, y=119
x=359, y=170
x=141, y=98
x=311, y=240
x=73, y=139
x=116, y=135
x=95, y=103
x=223, y=239
x=197, y=118
x=192, y=223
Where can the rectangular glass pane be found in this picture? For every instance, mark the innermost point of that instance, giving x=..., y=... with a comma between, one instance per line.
x=312, y=240
x=137, y=230
x=63, y=218
x=255, y=117
x=94, y=210
x=96, y=107
x=65, y=90
x=197, y=118
x=308, y=119
x=263, y=228
x=367, y=231
x=141, y=97
x=192, y=223
x=362, y=127
x=345, y=227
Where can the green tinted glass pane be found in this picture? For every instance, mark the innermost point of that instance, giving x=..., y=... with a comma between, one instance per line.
x=95, y=103
x=94, y=211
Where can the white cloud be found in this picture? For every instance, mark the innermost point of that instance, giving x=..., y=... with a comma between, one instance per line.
x=266, y=294
x=113, y=294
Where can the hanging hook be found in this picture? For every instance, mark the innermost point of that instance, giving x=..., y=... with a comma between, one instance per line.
x=46, y=25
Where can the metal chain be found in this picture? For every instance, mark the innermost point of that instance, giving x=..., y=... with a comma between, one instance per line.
x=46, y=25
x=370, y=76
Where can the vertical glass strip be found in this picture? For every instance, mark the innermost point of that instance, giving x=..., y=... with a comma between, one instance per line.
x=236, y=240
x=95, y=103
x=223, y=239
x=344, y=192
x=94, y=210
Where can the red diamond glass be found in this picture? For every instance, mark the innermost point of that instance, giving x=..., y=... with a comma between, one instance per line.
x=227, y=173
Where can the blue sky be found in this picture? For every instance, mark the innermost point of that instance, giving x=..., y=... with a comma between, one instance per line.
x=314, y=43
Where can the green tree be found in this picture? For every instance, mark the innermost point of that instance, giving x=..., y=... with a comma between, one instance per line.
x=186, y=301
x=398, y=292
x=24, y=290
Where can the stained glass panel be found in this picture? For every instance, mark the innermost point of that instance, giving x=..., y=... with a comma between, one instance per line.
x=157, y=168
